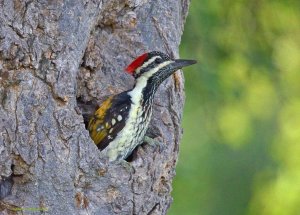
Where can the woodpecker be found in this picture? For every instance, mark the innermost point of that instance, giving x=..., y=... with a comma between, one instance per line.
x=120, y=123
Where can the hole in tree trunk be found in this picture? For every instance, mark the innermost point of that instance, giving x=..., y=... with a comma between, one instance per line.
x=132, y=156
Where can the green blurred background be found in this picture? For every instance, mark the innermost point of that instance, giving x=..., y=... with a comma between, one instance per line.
x=240, y=152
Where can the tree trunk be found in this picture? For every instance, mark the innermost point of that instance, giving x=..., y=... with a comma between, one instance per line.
x=57, y=59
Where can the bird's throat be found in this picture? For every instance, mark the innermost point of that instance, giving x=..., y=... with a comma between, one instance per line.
x=143, y=91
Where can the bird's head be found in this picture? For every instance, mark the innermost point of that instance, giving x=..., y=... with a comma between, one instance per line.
x=156, y=66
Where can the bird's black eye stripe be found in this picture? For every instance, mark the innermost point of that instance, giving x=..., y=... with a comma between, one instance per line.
x=158, y=60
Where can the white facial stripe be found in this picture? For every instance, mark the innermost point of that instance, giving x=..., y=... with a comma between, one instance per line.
x=156, y=69
x=151, y=60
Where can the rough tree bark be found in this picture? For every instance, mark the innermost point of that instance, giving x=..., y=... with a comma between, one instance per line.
x=56, y=55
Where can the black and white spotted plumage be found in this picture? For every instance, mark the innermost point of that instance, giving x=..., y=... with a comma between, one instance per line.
x=108, y=122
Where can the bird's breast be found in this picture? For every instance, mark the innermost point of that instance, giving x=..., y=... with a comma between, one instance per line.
x=132, y=134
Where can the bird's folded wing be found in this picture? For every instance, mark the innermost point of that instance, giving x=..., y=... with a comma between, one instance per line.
x=109, y=119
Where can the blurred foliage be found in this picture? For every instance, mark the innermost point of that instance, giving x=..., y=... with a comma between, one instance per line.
x=240, y=152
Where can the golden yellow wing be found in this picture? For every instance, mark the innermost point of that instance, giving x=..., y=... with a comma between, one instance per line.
x=97, y=126
x=109, y=119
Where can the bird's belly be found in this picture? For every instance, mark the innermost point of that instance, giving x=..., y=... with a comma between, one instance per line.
x=128, y=138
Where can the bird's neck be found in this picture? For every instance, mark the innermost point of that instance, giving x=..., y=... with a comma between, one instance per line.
x=143, y=91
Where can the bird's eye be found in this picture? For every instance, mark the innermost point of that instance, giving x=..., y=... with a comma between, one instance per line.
x=158, y=60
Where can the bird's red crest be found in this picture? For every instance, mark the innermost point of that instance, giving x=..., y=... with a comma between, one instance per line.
x=136, y=63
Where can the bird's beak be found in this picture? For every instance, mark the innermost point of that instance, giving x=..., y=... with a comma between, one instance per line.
x=179, y=63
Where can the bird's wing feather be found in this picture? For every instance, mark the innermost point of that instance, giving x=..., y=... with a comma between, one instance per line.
x=109, y=119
